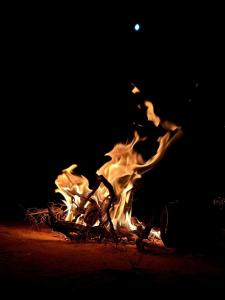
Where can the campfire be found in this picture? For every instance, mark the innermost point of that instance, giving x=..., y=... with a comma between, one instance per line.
x=105, y=211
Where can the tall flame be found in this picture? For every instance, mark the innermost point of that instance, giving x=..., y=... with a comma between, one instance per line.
x=121, y=171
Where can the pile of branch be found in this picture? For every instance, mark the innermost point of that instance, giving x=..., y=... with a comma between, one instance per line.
x=91, y=213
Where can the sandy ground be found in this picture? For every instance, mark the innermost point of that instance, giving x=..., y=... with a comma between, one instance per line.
x=38, y=262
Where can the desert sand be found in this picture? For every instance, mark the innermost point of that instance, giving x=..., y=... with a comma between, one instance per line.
x=43, y=261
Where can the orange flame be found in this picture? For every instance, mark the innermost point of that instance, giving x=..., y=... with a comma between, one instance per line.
x=122, y=171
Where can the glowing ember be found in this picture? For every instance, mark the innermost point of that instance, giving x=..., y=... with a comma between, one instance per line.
x=155, y=233
x=121, y=171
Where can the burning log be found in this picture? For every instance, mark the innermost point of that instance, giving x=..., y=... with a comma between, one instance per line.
x=109, y=201
x=90, y=212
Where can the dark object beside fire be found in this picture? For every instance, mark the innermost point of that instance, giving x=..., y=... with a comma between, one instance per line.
x=184, y=225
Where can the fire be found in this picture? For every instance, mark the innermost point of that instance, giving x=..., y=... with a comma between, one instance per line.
x=155, y=233
x=122, y=171
x=151, y=115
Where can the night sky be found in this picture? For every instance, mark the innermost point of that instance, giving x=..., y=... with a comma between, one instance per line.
x=74, y=71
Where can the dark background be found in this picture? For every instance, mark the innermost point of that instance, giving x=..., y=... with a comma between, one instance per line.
x=72, y=69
